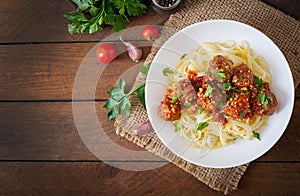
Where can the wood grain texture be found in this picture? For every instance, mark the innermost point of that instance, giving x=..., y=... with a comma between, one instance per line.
x=44, y=21
x=97, y=178
x=48, y=71
x=41, y=151
x=46, y=131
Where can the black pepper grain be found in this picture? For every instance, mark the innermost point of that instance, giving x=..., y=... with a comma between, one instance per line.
x=166, y=3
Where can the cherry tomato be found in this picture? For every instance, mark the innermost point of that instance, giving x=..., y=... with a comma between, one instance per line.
x=106, y=53
x=150, y=32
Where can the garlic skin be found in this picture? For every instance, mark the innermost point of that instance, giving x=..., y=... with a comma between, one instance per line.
x=134, y=52
x=142, y=128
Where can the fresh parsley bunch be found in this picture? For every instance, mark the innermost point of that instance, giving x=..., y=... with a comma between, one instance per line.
x=92, y=15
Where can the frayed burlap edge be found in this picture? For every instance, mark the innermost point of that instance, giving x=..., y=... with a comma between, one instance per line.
x=282, y=29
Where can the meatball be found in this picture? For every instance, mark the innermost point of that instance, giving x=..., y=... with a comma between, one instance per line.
x=197, y=81
x=243, y=77
x=265, y=103
x=220, y=69
x=169, y=109
x=188, y=98
x=238, y=107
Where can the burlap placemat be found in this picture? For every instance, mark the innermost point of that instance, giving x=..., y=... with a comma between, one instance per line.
x=282, y=29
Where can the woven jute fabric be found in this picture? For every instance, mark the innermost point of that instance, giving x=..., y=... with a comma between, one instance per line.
x=280, y=28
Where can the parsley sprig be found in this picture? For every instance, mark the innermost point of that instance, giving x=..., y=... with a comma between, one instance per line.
x=119, y=101
x=92, y=15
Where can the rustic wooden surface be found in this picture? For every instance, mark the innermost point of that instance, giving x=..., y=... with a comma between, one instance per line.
x=40, y=149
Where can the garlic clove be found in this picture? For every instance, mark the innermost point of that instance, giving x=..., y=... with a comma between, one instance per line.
x=134, y=52
x=142, y=128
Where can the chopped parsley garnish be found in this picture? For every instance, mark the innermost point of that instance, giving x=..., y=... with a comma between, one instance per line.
x=167, y=71
x=208, y=91
x=242, y=114
x=187, y=104
x=175, y=98
x=177, y=126
x=182, y=57
x=264, y=100
x=219, y=74
x=256, y=135
x=227, y=86
x=201, y=126
x=232, y=95
x=200, y=110
x=259, y=83
x=220, y=105
x=240, y=78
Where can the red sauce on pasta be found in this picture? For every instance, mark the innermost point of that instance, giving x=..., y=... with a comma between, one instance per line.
x=223, y=91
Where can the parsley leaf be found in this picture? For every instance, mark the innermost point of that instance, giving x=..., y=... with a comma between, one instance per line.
x=119, y=101
x=220, y=105
x=175, y=98
x=145, y=68
x=259, y=83
x=200, y=110
x=182, y=57
x=264, y=100
x=201, y=126
x=227, y=86
x=177, y=126
x=208, y=91
x=141, y=95
x=187, y=104
x=220, y=75
x=242, y=114
x=256, y=135
x=167, y=71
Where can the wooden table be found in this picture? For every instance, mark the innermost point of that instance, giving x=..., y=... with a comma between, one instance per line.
x=40, y=149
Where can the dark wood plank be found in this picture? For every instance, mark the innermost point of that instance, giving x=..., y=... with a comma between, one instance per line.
x=44, y=21
x=99, y=178
x=46, y=131
x=47, y=71
x=290, y=7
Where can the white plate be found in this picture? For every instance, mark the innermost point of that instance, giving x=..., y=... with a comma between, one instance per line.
x=213, y=31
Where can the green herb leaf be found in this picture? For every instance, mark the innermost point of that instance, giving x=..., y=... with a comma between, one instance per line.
x=259, y=83
x=262, y=98
x=220, y=75
x=202, y=125
x=256, y=135
x=187, y=104
x=182, y=57
x=167, y=71
x=175, y=98
x=220, y=105
x=200, y=110
x=119, y=101
x=232, y=95
x=242, y=114
x=141, y=95
x=177, y=126
x=208, y=91
x=145, y=68
x=227, y=86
